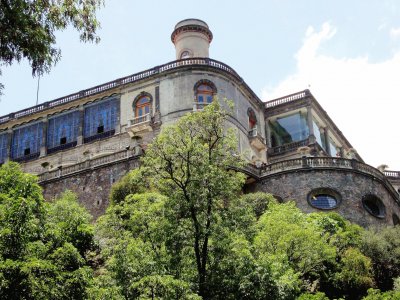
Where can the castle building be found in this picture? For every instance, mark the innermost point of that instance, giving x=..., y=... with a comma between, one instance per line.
x=86, y=141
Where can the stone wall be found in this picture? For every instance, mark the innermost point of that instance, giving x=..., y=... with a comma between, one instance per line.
x=352, y=186
x=92, y=186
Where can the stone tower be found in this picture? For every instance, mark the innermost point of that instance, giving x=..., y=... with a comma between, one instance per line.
x=191, y=38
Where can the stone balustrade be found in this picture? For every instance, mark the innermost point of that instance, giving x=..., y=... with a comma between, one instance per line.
x=125, y=80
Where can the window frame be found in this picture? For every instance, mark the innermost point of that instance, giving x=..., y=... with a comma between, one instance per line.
x=378, y=202
x=324, y=191
x=207, y=94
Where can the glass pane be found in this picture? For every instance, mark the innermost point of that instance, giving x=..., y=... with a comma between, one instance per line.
x=209, y=99
x=200, y=99
x=27, y=140
x=3, y=147
x=140, y=111
x=147, y=109
x=143, y=101
x=204, y=87
x=317, y=134
x=64, y=126
x=101, y=114
x=323, y=201
x=332, y=148
x=290, y=129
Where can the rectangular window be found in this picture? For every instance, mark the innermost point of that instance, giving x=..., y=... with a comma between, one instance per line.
x=318, y=136
x=62, y=131
x=3, y=147
x=101, y=118
x=27, y=141
x=290, y=129
x=332, y=147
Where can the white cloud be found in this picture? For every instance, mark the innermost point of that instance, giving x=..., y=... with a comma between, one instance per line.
x=395, y=33
x=361, y=97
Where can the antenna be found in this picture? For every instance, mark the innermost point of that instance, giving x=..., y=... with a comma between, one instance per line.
x=37, y=90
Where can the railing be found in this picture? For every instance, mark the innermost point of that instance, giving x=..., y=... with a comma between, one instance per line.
x=392, y=174
x=99, y=136
x=325, y=162
x=88, y=164
x=122, y=81
x=287, y=147
x=141, y=119
x=26, y=157
x=199, y=105
x=287, y=99
x=61, y=147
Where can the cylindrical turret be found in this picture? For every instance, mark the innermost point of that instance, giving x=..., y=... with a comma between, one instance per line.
x=191, y=38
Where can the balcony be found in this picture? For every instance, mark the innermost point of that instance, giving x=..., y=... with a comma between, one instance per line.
x=199, y=106
x=140, y=125
x=256, y=140
x=291, y=147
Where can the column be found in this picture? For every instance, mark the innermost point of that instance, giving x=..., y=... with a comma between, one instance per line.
x=79, y=140
x=267, y=134
x=9, y=144
x=43, y=142
x=310, y=126
x=327, y=147
x=118, y=126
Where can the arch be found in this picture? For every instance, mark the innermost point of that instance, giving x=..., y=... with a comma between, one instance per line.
x=204, y=91
x=142, y=104
x=252, y=119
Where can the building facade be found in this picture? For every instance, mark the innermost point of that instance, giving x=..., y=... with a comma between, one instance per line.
x=86, y=141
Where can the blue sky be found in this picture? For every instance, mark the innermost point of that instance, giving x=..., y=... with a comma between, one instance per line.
x=346, y=52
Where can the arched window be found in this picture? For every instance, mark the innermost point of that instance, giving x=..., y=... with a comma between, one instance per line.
x=185, y=54
x=142, y=105
x=252, y=122
x=204, y=93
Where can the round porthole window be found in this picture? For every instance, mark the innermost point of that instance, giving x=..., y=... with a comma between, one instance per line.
x=324, y=198
x=374, y=205
x=396, y=220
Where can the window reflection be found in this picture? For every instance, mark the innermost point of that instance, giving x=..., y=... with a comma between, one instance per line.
x=318, y=135
x=3, y=147
x=289, y=129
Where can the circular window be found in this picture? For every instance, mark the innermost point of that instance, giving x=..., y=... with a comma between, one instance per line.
x=396, y=220
x=324, y=198
x=374, y=205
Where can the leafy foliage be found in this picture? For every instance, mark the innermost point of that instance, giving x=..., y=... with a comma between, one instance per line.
x=27, y=29
x=383, y=247
x=41, y=245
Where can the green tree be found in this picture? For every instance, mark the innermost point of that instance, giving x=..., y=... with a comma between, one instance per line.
x=383, y=248
x=27, y=29
x=375, y=294
x=294, y=248
x=40, y=243
x=189, y=161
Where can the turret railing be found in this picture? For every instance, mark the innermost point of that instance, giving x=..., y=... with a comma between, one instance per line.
x=125, y=80
x=331, y=163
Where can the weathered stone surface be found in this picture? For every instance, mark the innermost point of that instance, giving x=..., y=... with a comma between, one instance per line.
x=91, y=186
x=351, y=185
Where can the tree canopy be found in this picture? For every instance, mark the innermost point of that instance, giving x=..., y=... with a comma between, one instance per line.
x=42, y=246
x=27, y=29
x=181, y=228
